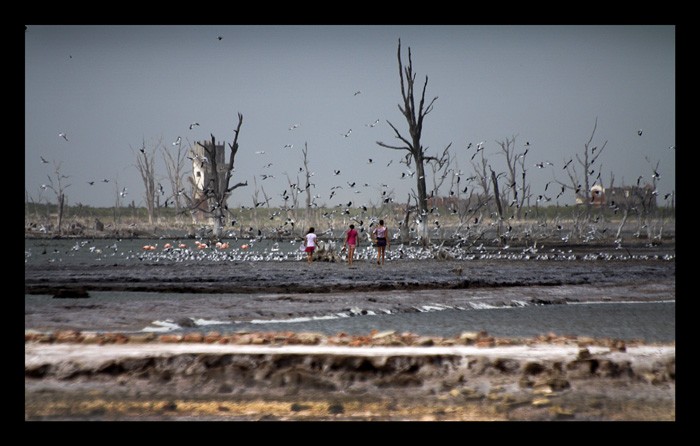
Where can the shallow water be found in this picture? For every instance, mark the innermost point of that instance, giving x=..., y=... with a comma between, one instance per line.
x=648, y=321
x=598, y=291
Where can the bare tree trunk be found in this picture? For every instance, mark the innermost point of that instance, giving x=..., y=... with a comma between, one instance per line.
x=59, y=218
x=414, y=118
x=146, y=165
x=494, y=180
x=217, y=190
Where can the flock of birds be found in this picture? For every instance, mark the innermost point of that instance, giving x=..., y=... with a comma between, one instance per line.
x=269, y=250
x=386, y=195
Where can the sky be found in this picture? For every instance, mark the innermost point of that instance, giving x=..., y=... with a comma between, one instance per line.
x=113, y=88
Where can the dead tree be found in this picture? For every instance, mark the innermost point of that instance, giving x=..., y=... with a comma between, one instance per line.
x=580, y=182
x=515, y=163
x=174, y=166
x=58, y=188
x=307, y=188
x=414, y=117
x=217, y=190
x=145, y=163
x=482, y=175
x=440, y=167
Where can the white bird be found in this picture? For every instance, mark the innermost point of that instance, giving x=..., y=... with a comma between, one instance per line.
x=177, y=141
x=260, y=152
x=193, y=125
x=347, y=134
x=293, y=126
x=63, y=135
x=123, y=192
x=373, y=124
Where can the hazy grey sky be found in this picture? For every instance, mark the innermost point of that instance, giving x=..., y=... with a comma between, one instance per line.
x=109, y=88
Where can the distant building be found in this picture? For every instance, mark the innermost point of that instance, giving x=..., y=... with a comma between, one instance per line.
x=625, y=197
x=628, y=197
x=597, y=198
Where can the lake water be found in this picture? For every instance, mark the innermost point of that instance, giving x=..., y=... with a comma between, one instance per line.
x=630, y=315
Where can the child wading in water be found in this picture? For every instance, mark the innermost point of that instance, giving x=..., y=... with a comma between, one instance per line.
x=310, y=242
x=381, y=238
x=350, y=242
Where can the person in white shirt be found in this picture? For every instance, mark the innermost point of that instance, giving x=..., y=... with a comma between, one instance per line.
x=310, y=244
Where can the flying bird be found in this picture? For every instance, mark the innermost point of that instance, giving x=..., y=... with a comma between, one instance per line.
x=63, y=135
x=43, y=160
x=639, y=132
x=357, y=92
x=293, y=126
x=373, y=124
x=347, y=134
x=288, y=146
x=193, y=125
x=219, y=37
x=177, y=141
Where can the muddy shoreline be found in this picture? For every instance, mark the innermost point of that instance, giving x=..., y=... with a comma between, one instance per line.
x=595, y=379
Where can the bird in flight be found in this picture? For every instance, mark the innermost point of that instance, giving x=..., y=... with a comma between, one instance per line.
x=288, y=146
x=639, y=132
x=373, y=124
x=219, y=37
x=347, y=134
x=177, y=141
x=43, y=160
x=90, y=183
x=357, y=92
x=193, y=125
x=292, y=127
x=63, y=135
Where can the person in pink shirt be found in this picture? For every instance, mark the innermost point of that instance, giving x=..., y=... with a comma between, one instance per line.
x=350, y=243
